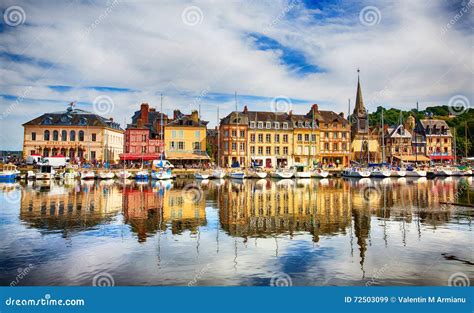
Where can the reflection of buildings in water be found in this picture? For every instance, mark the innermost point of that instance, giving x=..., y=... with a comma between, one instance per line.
x=149, y=209
x=60, y=207
x=255, y=209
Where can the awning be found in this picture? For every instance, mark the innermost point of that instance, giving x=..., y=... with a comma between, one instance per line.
x=412, y=158
x=357, y=145
x=186, y=156
x=441, y=157
x=139, y=156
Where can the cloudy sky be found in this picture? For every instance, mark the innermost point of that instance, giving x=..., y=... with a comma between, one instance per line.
x=110, y=56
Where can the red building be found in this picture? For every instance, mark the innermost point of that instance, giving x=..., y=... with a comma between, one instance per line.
x=143, y=138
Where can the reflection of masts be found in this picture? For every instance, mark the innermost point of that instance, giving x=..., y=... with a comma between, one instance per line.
x=276, y=246
x=384, y=210
x=235, y=254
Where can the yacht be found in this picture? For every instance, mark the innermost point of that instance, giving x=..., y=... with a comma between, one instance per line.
x=320, y=173
x=201, y=175
x=106, y=174
x=218, y=173
x=45, y=172
x=87, y=174
x=8, y=172
x=123, y=174
x=414, y=172
x=301, y=171
x=283, y=174
x=380, y=173
x=239, y=174
x=395, y=172
x=356, y=172
x=257, y=173
x=142, y=174
x=161, y=174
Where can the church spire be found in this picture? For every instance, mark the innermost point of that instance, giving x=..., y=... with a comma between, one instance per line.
x=359, y=109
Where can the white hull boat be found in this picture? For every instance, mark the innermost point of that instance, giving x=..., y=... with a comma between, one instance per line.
x=218, y=173
x=87, y=175
x=237, y=175
x=30, y=175
x=381, y=173
x=415, y=173
x=362, y=173
x=303, y=174
x=46, y=172
x=398, y=173
x=320, y=173
x=123, y=174
x=283, y=174
x=258, y=174
x=106, y=175
x=199, y=175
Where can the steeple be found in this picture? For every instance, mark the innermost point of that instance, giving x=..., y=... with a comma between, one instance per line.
x=359, y=109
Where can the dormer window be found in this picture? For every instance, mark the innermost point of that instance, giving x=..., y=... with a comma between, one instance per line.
x=300, y=124
x=268, y=125
x=47, y=121
x=285, y=125
x=260, y=125
x=252, y=124
x=306, y=124
x=83, y=121
x=277, y=125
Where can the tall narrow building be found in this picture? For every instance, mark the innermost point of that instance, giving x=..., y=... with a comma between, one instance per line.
x=365, y=147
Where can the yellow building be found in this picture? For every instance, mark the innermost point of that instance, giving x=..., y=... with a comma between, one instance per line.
x=185, y=139
x=74, y=133
x=437, y=139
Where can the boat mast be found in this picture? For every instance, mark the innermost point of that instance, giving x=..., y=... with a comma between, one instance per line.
x=237, y=131
x=218, y=138
x=161, y=128
x=416, y=137
x=383, y=140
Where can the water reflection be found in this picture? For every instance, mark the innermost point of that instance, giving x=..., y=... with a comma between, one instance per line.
x=180, y=218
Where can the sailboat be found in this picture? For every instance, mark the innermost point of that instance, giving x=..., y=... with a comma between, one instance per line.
x=162, y=173
x=218, y=173
x=239, y=173
x=201, y=174
x=283, y=173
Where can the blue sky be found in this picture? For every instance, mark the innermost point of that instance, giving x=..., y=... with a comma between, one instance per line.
x=197, y=54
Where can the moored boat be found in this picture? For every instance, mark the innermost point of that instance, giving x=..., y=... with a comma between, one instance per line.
x=45, y=172
x=87, y=174
x=356, y=172
x=201, y=175
x=301, y=171
x=237, y=174
x=381, y=173
x=70, y=174
x=123, y=174
x=8, y=172
x=161, y=174
x=106, y=175
x=142, y=174
x=413, y=172
x=320, y=173
x=283, y=174
x=218, y=173
x=257, y=173
x=398, y=172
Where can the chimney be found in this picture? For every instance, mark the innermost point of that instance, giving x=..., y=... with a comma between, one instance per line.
x=144, y=113
x=245, y=109
x=140, y=123
x=111, y=119
x=195, y=116
x=290, y=113
x=176, y=114
x=341, y=114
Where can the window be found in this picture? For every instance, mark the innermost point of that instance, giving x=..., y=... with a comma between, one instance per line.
x=55, y=135
x=260, y=150
x=94, y=137
x=252, y=124
x=306, y=124
x=226, y=145
x=226, y=133
x=93, y=155
x=197, y=134
x=252, y=138
x=277, y=150
x=268, y=125
x=300, y=137
x=344, y=135
x=306, y=137
x=285, y=138
x=63, y=135
x=277, y=125
x=277, y=138
x=252, y=150
x=326, y=146
x=234, y=146
x=181, y=145
x=334, y=147
x=285, y=150
x=33, y=136
x=335, y=135
x=285, y=125
x=143, y=149
x=196, y=145
x=81, y=135
x=268, y=150
x=313, y=138
x=344, y=146
x=268, y=138
x=242, y=146
x=260, y=137
x=72, y=135
x=173, y=134
x=260, y=125
x=46, y=135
